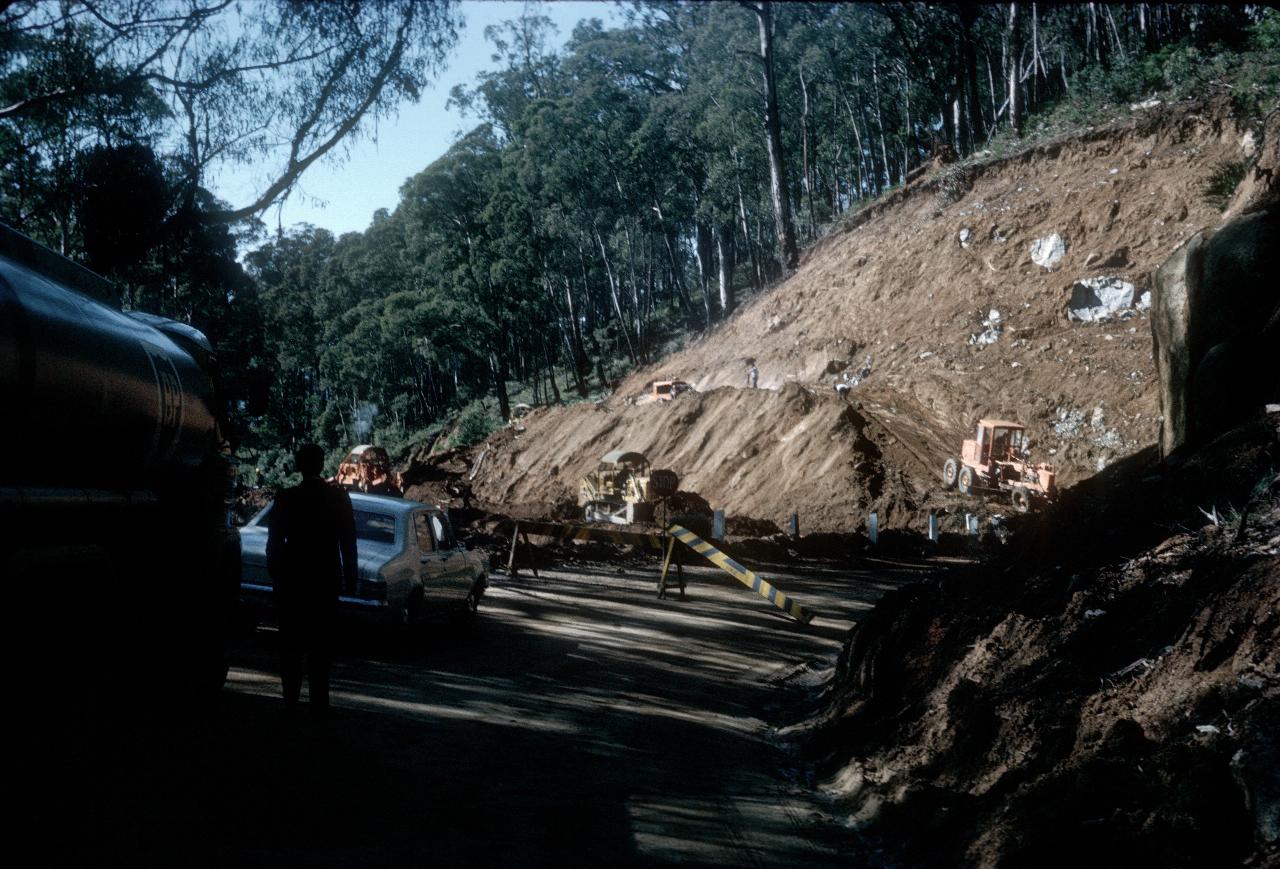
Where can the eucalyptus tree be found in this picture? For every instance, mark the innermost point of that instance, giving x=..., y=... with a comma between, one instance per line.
x=214, y=84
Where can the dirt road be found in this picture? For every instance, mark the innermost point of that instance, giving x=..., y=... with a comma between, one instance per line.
x=581, y=721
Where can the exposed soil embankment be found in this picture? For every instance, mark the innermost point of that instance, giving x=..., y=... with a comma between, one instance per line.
x=910, y=286
x=1118, y=701
x=756, y=451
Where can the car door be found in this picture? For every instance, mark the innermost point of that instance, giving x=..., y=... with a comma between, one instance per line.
x=434, y=566
x=456, y=582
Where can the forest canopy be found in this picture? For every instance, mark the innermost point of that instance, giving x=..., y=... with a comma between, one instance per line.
x=615, y=195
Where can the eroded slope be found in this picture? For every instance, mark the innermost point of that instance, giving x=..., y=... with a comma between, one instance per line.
x=902, y=287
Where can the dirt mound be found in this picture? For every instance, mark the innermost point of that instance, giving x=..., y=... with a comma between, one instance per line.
x=914, y=284
x=1051, y=715
x=758, y=453
x=683, y=502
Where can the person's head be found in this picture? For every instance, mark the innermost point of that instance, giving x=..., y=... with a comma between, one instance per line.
x=309, y=460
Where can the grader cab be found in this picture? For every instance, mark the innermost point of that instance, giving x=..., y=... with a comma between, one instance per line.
x=997, y=459
x=623, y=489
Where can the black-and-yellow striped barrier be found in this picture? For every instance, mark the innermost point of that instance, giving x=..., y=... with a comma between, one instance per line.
x=748, y=578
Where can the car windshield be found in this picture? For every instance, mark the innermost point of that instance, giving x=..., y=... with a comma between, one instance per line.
x=374, y=527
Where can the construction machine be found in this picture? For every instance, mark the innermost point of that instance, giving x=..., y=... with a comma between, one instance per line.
x=664, y=390
x=623, y=489
x=367, y=468
x=996, y=459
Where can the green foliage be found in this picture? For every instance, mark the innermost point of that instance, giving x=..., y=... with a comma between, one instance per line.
x=579, y=230
x=1222, y=183
x=474, y=424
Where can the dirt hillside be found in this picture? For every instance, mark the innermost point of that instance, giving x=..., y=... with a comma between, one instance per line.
x=910, y=284
x=1115, y=693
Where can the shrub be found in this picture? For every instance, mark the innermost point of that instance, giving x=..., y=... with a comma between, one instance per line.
x=474, y=425
x=1222, y=183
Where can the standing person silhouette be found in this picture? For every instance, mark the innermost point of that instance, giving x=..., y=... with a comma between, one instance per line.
x=311, y=556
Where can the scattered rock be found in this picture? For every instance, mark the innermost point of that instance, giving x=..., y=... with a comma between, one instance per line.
x=1048, y=251
x=990, y=333
x=1094, y=300
x=1069, y=424
x=965, y=235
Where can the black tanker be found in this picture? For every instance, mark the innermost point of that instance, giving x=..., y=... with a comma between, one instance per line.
x=120, y=569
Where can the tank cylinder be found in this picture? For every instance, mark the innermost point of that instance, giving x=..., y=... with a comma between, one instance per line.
x=91, y=396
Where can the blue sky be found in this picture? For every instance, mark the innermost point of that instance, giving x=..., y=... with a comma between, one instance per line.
x=342, y=196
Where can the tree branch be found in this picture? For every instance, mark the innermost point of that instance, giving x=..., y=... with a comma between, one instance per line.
x=298, y=165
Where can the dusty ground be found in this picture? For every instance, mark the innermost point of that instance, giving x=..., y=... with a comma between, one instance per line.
x=1112, y=694
x=582, y=722
x=899, y=285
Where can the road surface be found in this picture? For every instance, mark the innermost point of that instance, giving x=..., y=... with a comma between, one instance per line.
x=582, y=721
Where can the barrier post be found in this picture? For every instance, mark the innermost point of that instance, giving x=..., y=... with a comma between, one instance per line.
x=795, y=526
x=717, y=525
x=873, y=528
x=528, y=550
x=673, y=556
x=512, y=570
x=933, y=527
x=517, y=534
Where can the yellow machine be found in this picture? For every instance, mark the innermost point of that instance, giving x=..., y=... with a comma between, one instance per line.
x=623, y=489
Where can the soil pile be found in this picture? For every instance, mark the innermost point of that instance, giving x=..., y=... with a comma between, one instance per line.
x=958, y=288
x=1119, y=701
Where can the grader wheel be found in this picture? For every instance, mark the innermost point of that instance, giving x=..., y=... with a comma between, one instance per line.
x=950, y=473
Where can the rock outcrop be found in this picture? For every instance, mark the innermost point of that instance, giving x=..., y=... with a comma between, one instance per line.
x=1215, y=322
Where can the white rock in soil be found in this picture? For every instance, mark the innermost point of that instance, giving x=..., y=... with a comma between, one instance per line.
x=1094, y=300
x=965, y=235
x=1144, y=301
x=1047, y=251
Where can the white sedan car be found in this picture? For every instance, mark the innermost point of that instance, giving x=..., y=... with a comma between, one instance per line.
x=411, y=567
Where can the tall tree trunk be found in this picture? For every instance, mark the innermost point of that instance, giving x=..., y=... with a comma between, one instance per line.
x=969, y=60
x=581, y=364
x=906, y=124
x=856, y=168
x=724, y=247
x=613, y=294
x=807, y=150
x=500, y=374
x=773, y=140
x=757, y=274
x=1014, y=37
x=884, y=150
x=551, y=374
x=703, y=244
